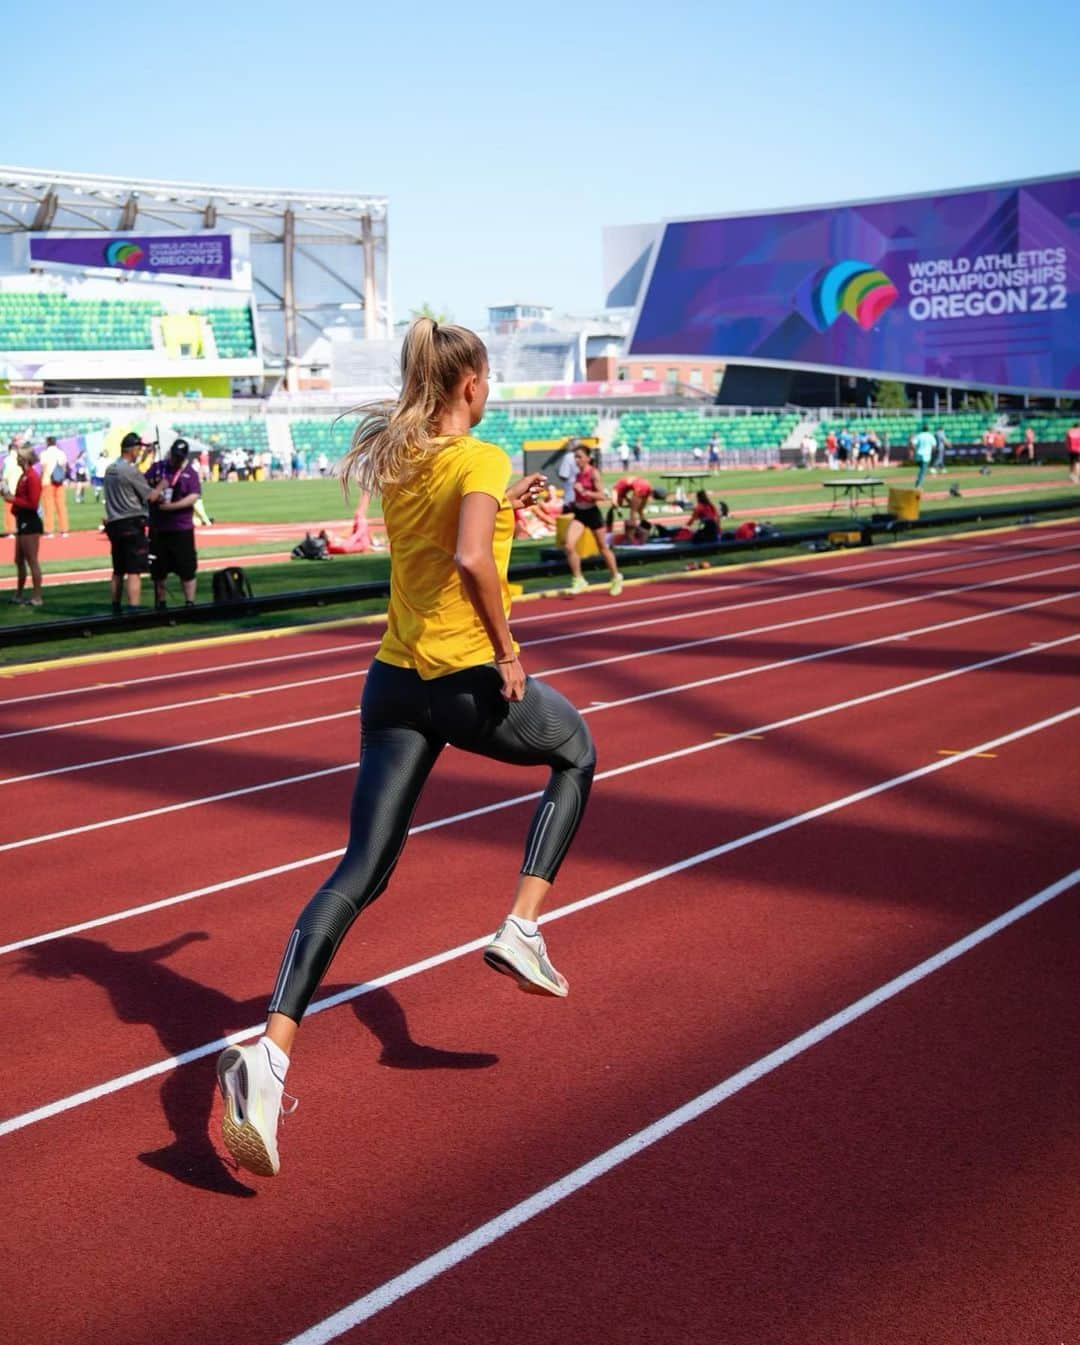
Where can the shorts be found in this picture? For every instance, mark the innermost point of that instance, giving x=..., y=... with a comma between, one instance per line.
x=588, y=514
x=129, y=548
x=28, y=523
x=173, y=552
x=1074, y=458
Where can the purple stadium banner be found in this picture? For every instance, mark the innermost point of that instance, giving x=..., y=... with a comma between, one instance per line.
x=975, y=287
x=204, y=255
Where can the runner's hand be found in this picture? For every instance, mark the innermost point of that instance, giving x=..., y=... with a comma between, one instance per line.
x=513, y=679
x=529, y=490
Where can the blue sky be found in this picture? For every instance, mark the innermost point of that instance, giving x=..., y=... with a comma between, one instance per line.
x=505, y=143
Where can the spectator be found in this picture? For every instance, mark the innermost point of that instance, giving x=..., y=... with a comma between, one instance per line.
x=638, y=450
x=322, y=462
x=988, y=445
x=9, y=480
x=54, y=473
x=941, y=443
x=127, y=497
x=865, y=452
x=97, y=475
x=1072, y=446
x=886, y=447
x=622, y=452
x=714, y=449
x=1026, y=449
x=172, y=523
x=24, y=501
x=843, y=446
x=830, y=450
x=82, y=475
x=924, y=445
x=809, y=453
x=999, y=441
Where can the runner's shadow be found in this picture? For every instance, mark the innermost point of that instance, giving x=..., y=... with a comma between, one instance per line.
x=383, y=1016
x=182, y=1011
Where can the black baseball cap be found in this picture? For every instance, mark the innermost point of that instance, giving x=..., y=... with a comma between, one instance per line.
x=180, y=448
x=131, y=440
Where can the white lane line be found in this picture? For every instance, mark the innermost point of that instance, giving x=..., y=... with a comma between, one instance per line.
x=595, y=708
x=645, y=763
x=179, y=747
x=362, y=1309
x=587, y=634
x=115, y=1085
x=558, y=672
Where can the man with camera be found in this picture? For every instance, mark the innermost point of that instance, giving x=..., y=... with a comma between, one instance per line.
x=172, y=522
x=128, y=495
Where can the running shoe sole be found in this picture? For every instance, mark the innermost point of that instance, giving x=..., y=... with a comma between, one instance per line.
x=530, y=977
x=241, y=1138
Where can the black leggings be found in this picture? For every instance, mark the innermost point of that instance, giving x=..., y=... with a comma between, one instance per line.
x=405, y=724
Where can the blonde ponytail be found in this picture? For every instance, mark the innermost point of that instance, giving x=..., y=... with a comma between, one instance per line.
x=394, y=439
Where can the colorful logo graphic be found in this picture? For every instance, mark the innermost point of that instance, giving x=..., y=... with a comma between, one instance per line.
x=128, y=255
x=855, y=288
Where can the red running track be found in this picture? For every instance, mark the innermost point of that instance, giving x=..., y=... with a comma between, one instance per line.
x=906, y=1178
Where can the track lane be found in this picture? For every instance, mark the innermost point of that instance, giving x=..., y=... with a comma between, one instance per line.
x=308, y=816
x=139, y=738
x=672, y=595
x=736, y=976
x=906, y=1180
x=803, y=763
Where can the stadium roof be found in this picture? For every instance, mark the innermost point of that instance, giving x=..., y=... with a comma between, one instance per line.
x=299, y=280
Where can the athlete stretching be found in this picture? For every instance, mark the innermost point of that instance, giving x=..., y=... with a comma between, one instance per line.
x=447, y=671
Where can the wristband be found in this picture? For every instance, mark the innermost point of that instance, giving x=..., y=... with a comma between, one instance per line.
x=510, y=658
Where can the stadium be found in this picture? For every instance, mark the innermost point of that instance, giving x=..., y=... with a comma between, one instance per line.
x=809, y=1077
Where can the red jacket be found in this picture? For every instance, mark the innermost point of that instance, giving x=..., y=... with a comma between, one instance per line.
x=28, y=491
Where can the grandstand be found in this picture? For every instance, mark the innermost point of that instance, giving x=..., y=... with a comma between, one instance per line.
x=672, y=435
x=227, y=435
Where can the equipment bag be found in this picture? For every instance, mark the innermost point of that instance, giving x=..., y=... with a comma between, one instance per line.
x=232, y=585
x=311, y=548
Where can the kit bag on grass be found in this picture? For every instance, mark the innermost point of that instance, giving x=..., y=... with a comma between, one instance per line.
x=311, y=548
x=232, y=585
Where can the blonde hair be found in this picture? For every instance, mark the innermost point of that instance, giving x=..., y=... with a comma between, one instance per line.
x=26, y=454
x=395, y=439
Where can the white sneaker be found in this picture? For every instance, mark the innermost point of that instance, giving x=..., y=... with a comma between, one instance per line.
x=524, y=957
x=615, y=587
x=253, y=1102
x=578, y=585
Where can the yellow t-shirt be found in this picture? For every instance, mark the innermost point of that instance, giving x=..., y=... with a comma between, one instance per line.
x=431, y=624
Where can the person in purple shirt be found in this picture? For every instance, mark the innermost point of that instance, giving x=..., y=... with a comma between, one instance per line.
x=172, y=522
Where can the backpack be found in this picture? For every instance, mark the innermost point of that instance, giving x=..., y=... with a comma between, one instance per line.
x=311, y=548
x=58, y=475
x=232, y=585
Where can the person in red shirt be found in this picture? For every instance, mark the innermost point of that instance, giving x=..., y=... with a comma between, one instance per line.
x=28, y=527
x=1027, y=448
x=633, y=493
x=1072, y=444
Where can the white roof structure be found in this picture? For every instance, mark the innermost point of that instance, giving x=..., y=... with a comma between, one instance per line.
x=317, y=257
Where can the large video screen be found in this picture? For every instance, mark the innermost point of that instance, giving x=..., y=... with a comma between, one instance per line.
x=974, y=288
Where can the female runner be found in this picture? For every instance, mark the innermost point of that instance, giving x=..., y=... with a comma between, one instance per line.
x=585, y=513
x=447, y=671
